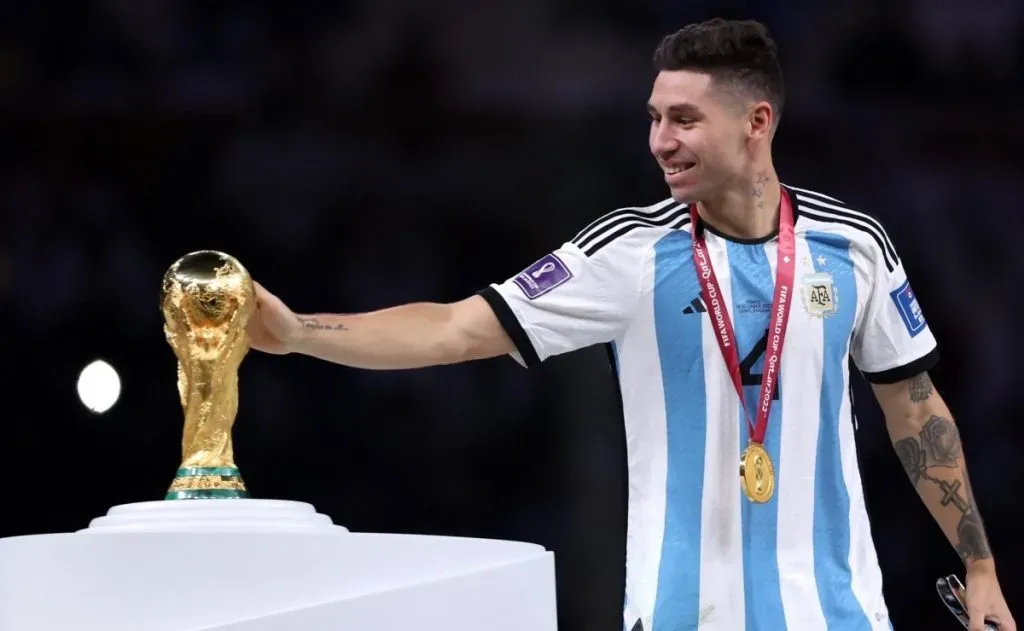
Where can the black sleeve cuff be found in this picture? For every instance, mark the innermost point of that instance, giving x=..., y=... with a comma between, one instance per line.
x=906, y=371
x=510, y=323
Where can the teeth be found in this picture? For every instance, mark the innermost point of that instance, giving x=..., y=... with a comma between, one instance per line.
x=674, y=170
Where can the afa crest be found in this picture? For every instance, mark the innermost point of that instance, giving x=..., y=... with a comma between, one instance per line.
x=819, y=294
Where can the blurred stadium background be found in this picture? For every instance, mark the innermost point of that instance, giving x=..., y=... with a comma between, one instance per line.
x=360, y=154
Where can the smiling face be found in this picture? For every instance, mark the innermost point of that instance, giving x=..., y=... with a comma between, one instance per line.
x=704, y=137
x=714, y=107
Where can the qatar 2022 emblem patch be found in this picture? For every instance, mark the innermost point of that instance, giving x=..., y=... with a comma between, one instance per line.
x=819, y=294
x=543, y=276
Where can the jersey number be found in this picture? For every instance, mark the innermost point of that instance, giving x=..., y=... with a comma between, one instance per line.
x=747, y=365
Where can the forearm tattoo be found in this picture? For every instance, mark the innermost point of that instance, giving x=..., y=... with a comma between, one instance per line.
x=313, y=323
x=938, y=447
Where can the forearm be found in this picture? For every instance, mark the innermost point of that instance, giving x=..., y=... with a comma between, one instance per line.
x=928, y=444
x=409, y=336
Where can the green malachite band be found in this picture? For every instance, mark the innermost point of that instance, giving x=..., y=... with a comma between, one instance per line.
x=207, y=494
x=191, y=472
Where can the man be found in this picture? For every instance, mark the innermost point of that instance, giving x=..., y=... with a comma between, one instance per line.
x=736, y=284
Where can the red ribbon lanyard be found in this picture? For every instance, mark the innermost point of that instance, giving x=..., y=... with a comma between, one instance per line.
x=711, y=291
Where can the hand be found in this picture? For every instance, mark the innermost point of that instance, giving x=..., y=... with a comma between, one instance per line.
x=273, y=327
x=985, y=601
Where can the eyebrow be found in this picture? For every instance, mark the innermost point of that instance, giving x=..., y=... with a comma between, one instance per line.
x=678, y=109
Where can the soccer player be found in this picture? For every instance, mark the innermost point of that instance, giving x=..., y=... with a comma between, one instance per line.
x=731, y=309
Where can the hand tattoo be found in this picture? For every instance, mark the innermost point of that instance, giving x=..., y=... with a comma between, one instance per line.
x=938, y=447
x=313, y=323
x=921, y=388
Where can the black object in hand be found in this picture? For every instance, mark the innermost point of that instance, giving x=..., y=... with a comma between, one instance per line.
x=951, y=591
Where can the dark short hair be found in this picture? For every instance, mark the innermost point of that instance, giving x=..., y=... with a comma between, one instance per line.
x=737, y=54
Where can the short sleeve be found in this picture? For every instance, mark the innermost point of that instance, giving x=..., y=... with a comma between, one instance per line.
x=567, y=300
x=893, y=341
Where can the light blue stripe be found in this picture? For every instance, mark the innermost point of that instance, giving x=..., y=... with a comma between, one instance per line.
x=752, y=291
x=682, y=371
x=614, y=351
x=830, y=254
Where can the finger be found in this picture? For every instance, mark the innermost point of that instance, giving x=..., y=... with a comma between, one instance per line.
x=977, y=619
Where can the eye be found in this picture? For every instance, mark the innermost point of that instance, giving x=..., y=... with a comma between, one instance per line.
x=684, y=121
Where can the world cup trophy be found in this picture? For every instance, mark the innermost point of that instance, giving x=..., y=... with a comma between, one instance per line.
x=207, y=299
x=297, y=561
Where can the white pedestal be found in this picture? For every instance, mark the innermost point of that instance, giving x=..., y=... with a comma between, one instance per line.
x=265, y=565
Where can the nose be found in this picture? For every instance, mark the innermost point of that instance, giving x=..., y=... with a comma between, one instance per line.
x=663, y=142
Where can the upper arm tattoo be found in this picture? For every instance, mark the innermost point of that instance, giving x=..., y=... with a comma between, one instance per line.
x=921, y=388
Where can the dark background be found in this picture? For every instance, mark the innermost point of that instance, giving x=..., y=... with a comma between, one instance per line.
x=357, y=155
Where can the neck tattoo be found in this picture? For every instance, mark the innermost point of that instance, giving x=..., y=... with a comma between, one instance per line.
x=759, y=186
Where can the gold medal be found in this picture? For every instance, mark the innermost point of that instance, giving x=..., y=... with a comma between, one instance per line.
x=757, y=474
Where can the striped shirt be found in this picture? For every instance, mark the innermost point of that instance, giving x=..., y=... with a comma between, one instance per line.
x=698, y=553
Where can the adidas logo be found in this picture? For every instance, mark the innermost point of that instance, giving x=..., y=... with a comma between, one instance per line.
x=697, y=306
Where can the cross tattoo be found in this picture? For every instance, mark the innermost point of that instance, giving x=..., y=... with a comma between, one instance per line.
x=951, y=495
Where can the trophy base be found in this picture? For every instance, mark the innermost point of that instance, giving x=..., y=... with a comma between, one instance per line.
x=266, y=565
x=215, y=516
x=207, y=483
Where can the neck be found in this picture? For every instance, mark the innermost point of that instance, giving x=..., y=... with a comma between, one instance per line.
x=748, y=210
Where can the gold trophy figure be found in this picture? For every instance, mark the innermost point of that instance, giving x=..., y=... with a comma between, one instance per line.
x=207, y=300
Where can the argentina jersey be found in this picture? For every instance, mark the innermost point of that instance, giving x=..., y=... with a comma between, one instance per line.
x=699, y=554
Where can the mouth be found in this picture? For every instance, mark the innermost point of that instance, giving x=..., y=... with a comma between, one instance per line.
x=678, y=169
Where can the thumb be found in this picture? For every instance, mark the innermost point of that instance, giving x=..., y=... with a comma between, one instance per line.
x=261, y=291
x=266, y=299
x=265, y=295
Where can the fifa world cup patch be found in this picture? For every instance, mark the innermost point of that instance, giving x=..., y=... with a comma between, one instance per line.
x=543, y=276
x=909, y=309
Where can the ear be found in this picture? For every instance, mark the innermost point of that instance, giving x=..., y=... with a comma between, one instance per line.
x=759, y=122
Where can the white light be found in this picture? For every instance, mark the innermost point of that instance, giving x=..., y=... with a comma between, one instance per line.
x=99, y=386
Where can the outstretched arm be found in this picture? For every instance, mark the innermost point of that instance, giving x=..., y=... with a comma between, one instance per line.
x=566, y=300
x=409, y=336
x=927, y=442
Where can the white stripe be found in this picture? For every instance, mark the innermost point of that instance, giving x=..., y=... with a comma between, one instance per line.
x=845, y=209
x=849, y=212
x=830, y=220
x=721, y=542
x=651, y=213
x=801, y=378
x=868, y=228
x=612, y=224
x=809, y=192
x=866, y=579
x=647, y=447
x=674, y=224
